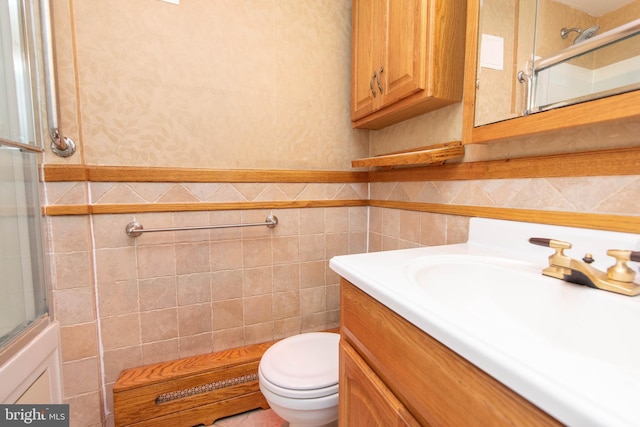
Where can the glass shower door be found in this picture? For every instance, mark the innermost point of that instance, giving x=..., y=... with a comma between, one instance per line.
x=22, y=294
x=22, y=289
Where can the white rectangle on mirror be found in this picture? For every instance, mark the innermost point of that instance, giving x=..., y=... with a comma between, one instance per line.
x=492, y=52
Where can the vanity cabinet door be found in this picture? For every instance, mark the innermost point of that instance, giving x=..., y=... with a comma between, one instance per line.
x=364, y=399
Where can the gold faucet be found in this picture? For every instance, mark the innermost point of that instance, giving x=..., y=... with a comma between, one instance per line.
x=618, y=278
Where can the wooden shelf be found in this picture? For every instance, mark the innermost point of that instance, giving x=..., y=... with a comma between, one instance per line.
x=417, y=156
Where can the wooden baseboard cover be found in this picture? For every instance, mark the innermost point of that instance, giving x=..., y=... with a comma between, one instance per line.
x=191, y=391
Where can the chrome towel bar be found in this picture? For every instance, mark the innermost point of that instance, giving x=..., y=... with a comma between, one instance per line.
x=134, y=229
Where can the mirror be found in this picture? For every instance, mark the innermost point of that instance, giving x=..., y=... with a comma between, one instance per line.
x=537, y=55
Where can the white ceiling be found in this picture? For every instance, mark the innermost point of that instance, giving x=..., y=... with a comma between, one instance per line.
x=596, y=7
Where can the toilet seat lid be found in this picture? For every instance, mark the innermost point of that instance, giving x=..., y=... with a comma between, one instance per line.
x=307, y=361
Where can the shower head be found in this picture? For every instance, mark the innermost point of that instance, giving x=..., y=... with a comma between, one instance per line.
x=582, y=34
x=587, y=34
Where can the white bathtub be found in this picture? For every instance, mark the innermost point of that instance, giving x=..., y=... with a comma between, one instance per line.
x=33, y=374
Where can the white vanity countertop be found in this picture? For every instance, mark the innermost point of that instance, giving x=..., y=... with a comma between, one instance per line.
x=571, y=350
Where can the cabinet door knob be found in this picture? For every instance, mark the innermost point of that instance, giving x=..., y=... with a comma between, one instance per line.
x=378, y=78
x=373, y=90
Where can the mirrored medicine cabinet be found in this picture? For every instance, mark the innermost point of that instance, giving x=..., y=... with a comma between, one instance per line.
x=544, y=65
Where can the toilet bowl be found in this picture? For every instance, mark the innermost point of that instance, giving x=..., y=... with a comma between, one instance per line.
x=298, y=377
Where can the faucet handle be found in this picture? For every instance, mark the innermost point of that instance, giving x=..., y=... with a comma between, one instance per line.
x=620, y=271
x=558, y=245
x=559, y=258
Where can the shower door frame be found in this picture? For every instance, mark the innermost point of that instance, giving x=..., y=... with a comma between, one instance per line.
x=27, y=140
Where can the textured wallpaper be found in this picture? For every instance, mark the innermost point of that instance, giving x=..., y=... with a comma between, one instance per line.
x=208, y=84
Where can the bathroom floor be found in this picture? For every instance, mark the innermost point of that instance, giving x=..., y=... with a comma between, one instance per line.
x=255, y=418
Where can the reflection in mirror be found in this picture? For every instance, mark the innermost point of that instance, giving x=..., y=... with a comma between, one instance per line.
x=506, y=39
x=610, y=65
x=583, y=49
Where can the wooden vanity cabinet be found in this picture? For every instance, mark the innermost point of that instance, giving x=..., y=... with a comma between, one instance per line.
x=364, y=399
x=392, y=373
x=407, y=58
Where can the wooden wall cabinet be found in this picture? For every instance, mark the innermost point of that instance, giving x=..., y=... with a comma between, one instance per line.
x=392, y=373
x=407, y=58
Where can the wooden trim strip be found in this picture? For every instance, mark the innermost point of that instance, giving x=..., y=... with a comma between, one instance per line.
x=60, y=173
x=65, y=173
x=621, y=223
x=193, y=207
x=623, y=161
x=185, y=207
x=59, y=210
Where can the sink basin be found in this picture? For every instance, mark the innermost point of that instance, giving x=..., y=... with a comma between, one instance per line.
x=512, y=298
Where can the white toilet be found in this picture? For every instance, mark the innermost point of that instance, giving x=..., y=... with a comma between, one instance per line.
x=299, y=378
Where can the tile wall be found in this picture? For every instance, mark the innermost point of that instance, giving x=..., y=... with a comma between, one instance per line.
x=123, y=302
x=397, y=229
